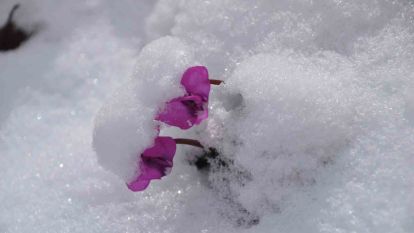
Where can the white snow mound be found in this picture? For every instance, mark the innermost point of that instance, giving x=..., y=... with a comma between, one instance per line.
x=125, y=125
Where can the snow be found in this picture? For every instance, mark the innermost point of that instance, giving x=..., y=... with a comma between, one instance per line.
x=125, y=125
x=316, y=113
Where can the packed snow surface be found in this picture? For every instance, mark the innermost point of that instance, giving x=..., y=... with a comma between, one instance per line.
x=316, y=116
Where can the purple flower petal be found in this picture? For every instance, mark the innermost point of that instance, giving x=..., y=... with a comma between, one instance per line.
x=191, y=109
x=164, y=148
x=155, y=163
x=195, y=81
x=184, y=112
x=138, y=185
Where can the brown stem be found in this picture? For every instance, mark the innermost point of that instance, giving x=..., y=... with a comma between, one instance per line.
x=12, y=13
x=190, y=142
x=216, y=81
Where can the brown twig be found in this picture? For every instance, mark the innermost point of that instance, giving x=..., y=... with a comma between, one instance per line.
x=216, y=81
x=190, y=142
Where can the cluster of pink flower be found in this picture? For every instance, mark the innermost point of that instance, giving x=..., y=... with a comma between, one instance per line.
x=183, y=112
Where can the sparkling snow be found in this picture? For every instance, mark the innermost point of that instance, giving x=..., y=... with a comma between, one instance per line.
x=317, y=113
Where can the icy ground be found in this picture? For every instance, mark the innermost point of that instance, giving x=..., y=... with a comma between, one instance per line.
x=317, y=114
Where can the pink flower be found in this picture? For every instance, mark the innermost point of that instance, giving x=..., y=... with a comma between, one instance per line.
x=156, y=162
x=183, y=112
x=192, y=108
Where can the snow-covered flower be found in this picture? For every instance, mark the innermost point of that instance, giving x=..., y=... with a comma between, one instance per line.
x=192, y=108
x=156, y=162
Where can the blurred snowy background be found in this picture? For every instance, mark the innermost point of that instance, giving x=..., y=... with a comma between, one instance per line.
x=317, y=114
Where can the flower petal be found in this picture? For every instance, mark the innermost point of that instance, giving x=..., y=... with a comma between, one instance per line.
x=164, y=148
x=184, y=112
x=155, y=163
x=195, y=81
x=138, y=185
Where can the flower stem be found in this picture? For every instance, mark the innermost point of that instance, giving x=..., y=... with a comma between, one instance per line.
x=216, y=81
x=9, y=20
x=190, y=142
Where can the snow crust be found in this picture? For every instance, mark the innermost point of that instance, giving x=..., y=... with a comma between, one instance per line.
x=316, y=113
